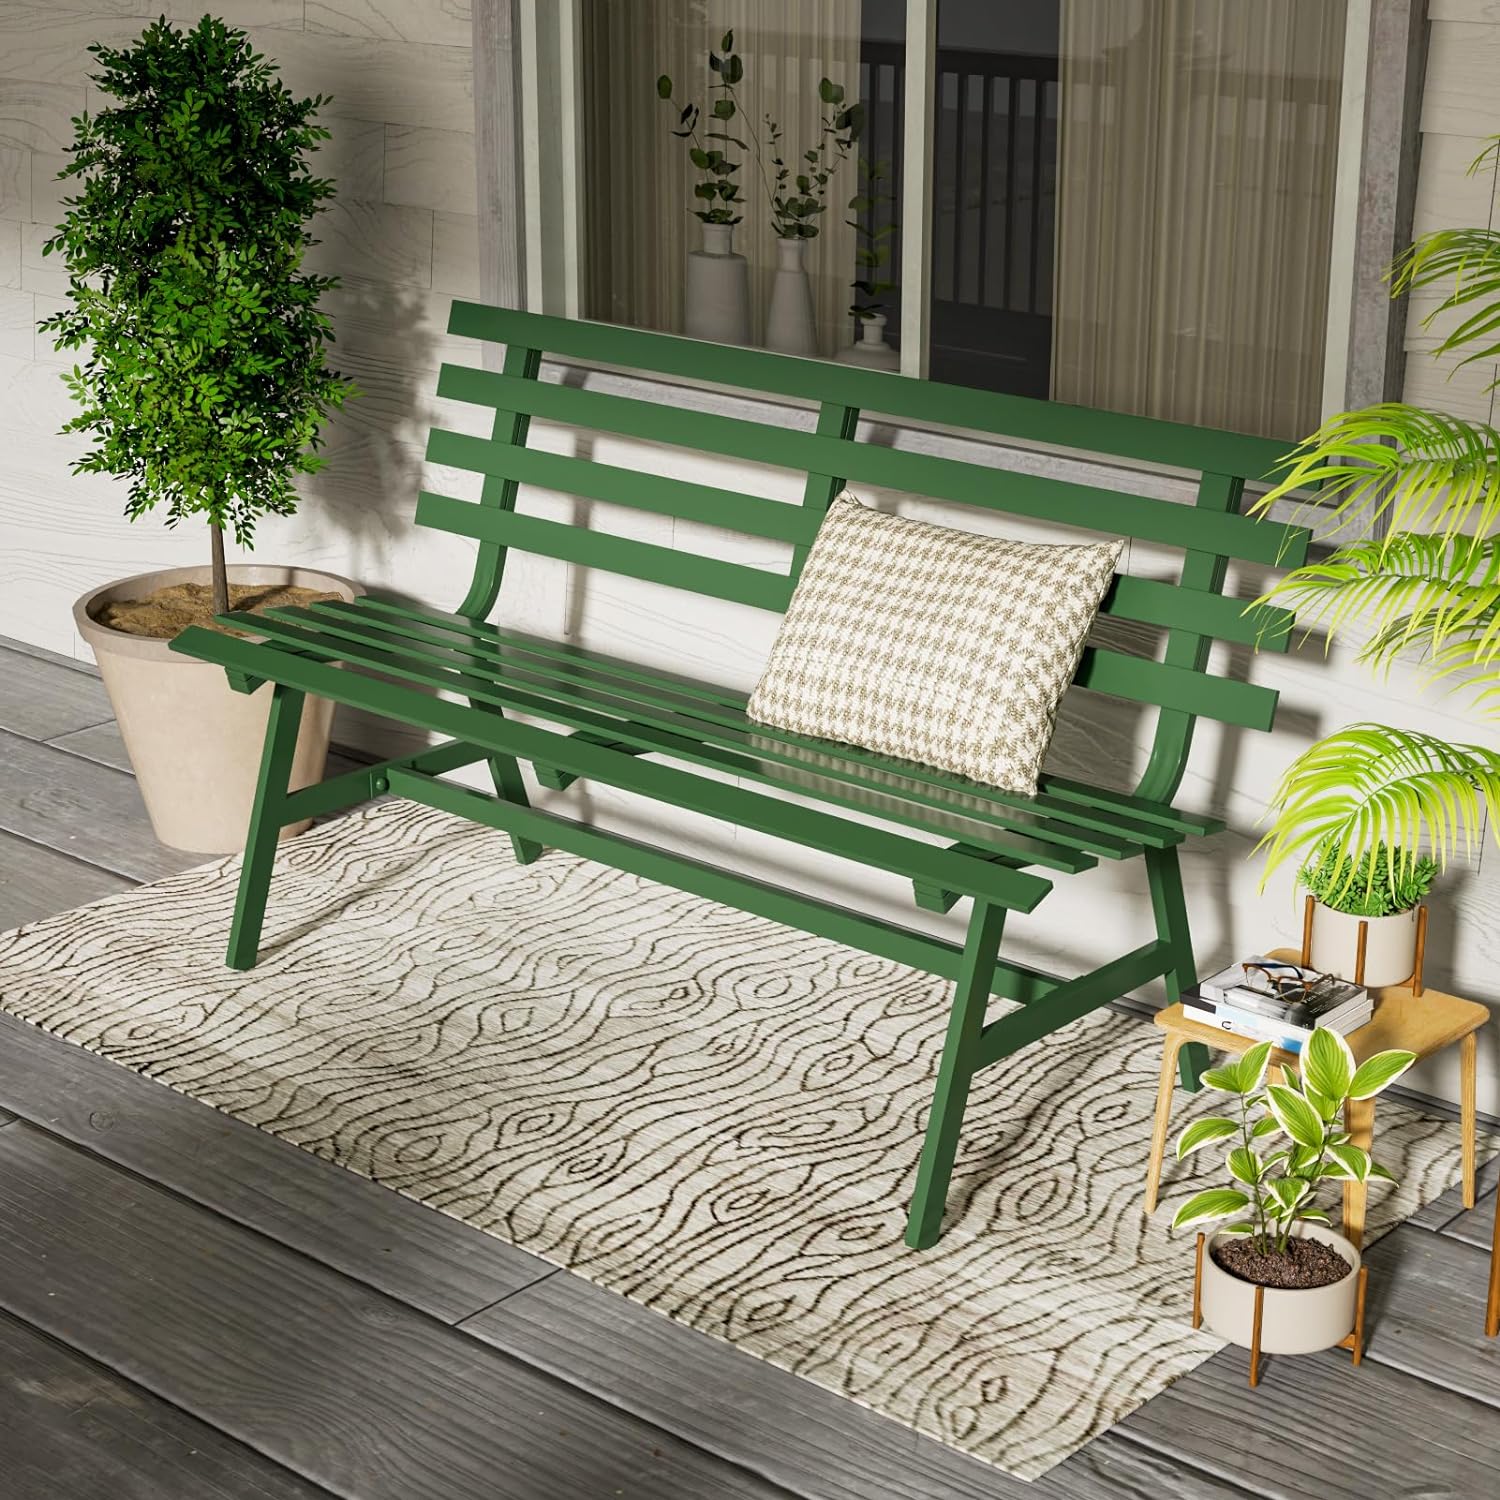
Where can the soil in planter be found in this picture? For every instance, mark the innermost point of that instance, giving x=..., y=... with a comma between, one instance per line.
x=1306, y=1264
x=165, y=612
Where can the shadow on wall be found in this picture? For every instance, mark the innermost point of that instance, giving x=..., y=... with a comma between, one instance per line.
x=361, y=504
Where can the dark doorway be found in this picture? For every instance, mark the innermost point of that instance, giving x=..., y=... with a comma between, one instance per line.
x=994, y=198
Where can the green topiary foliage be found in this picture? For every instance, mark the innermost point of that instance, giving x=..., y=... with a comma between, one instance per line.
x=205, y=382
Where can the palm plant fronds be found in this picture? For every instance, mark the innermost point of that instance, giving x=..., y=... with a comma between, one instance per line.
x=1368, y=784
x=1413, y=591
x=1419, y=470
x=1469, y=259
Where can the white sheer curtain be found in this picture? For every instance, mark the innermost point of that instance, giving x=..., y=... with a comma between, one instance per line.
x=639, y=225
x=1196, y=161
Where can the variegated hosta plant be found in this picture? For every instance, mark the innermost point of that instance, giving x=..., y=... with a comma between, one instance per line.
x=1288, y=1139
x=1420, y=492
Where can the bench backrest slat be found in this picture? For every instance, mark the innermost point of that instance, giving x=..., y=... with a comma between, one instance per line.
x=1034, y=495
x=600, y=549
x=1144, y=439
x=729, y=509
x=1192, y=610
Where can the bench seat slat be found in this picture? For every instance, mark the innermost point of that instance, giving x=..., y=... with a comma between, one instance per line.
x=1107, y=812
x=730, y=509
x=993, y=488
x=1148, y=440
x=1031, y=841
x=409, y=704
x=755, y=753
x=601, y=549
x=710, y=711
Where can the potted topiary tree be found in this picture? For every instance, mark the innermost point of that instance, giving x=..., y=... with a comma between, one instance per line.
x=203, y=383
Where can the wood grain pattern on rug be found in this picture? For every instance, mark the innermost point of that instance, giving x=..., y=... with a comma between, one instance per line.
x=711, y=1114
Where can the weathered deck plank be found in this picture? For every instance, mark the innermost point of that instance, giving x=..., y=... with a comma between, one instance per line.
x=1427, y=1311
x=70, y=1430
x=80, y=807
x=798, y=1435
x=101, y=742
x=345, y=1221
x=1447, y=1211
x=1317, y=1425
x=36, y=881
x=42, y=699
x=1475, y=1226
x=346, y=1387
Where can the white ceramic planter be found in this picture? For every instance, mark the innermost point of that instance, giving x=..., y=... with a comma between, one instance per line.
x=871, y=349
x=716, y=299
x=1292, y=1322
x=194, y=742
x=790, y=325
x=1390, y=948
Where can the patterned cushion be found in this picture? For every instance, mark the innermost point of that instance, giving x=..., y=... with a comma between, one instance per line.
x=933, y=645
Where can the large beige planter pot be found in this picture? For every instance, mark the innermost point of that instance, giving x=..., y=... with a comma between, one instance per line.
x=1291, y=1322
x=194, y=742
x=1390, y=949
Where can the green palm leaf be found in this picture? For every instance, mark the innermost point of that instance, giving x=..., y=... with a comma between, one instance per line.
x=1414, y=589
x=1368, y=783
x=1469, y=260
x=1418, y=470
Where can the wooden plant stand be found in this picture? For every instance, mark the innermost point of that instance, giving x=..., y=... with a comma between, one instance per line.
x=1492, y=1304
x=1354, y=1340
x=1305, y=959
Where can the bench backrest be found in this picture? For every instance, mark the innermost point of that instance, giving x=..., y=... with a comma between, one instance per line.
x=1193, y=610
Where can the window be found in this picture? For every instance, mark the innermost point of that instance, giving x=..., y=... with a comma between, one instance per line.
x=1141, y=205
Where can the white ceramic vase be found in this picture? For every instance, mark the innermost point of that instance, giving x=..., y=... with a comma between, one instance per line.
x=870, y=348
x=716, y=300
x=790, y=325
x=194, y=742
x=1291, y=1322
x=1390, y=947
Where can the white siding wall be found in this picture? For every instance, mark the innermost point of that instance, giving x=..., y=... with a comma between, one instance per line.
x=403, y=238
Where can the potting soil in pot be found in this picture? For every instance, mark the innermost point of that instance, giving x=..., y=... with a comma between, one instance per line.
x=1306, y=1264
x=165, y=612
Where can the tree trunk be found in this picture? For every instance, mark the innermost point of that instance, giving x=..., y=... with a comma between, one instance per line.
x=220, y=576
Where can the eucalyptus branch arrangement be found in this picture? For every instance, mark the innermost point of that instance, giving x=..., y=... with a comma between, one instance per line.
x=1301, y=1120
x=716, y=189
x=872, y=248
x=1428, y=588
x=798, y=197
x=205, y=382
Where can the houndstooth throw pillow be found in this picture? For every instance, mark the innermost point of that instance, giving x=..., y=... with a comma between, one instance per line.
x=931, y=644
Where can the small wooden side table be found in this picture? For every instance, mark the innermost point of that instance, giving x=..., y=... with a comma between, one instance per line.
x=1423, y=1024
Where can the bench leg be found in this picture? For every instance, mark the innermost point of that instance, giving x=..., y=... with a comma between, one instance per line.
x=971, y=997
x=265, y=826
x=1164, y=876
x=505, y=772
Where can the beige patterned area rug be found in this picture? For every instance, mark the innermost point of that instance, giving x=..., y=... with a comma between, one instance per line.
x=709, y=1113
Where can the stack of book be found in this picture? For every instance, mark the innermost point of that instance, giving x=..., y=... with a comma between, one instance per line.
x=1241, y=1000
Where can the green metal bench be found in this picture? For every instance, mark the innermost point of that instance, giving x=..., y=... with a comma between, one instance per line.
x=646, y=731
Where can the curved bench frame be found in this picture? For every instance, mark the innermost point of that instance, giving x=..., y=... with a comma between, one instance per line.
x=610, y=715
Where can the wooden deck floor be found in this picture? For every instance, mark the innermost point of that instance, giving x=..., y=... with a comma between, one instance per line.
x=190, y=1309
